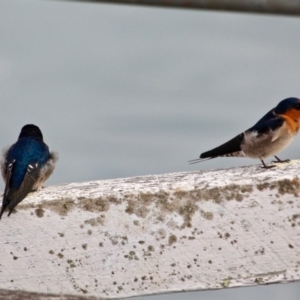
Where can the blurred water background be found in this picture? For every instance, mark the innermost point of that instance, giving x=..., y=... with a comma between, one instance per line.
x=123, y=90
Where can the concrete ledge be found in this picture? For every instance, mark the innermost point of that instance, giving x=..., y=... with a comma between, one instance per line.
x=156, y=234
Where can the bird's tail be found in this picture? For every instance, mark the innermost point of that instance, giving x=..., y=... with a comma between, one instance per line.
x=231, y=148
x=4, y=205
x=197, y=160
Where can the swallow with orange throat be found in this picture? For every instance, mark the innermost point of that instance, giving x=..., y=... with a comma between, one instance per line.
x=269, y=136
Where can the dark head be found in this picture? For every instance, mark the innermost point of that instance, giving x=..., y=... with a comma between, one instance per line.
x=31, y=130
x=288, y=106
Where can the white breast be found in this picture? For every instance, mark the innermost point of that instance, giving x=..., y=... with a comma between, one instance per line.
x=271, y=143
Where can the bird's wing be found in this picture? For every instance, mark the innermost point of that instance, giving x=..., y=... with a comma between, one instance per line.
x=49, y=166
x=5, y=200
x=12, y=197
x=267, y=117
x=268, y=127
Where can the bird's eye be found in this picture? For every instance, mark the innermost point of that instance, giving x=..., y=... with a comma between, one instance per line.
x=297, y=106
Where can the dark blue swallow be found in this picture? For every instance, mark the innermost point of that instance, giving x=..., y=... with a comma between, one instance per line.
x=270, y=135
x=25, y=166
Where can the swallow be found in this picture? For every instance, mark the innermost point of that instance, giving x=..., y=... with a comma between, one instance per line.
x=270, y=135
x=25, y=166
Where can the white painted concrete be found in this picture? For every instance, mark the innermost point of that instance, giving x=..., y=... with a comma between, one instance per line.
x=155, y=234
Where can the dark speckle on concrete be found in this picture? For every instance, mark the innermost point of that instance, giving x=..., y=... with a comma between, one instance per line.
x=172, y=239
x=39, y=212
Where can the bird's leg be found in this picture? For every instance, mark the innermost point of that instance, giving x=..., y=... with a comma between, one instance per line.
x=266, y=167
x=279, y=161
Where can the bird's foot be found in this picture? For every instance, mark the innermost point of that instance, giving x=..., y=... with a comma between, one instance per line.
x=265, y=166
x=268, y=167
x=281, y=161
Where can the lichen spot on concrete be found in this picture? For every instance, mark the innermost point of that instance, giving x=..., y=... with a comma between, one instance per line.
x=226, y=282
x=294, y=220
x=180, y=201
x=71, y=263
x=262, y=186
x=187, y=210
x=39, y=212
x=131, y=256
x=150, y=248
x=229, y=192
x=212, y=194
x=137, y=207
x=95, y=221
x=62, y=207
x=287, y=186
x=146, y=198
x=130, y=207
x=207, y=215
x=239, y=197
x=161, y=233
x=84, y=291
x=180, y=194
x=114, y=200
x=95, y=205
x=172, y=239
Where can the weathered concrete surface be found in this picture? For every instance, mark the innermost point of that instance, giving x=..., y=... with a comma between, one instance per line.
x=155, y=234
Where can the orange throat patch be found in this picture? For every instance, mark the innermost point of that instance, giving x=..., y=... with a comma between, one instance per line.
x=292, y=118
